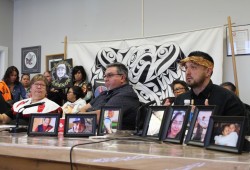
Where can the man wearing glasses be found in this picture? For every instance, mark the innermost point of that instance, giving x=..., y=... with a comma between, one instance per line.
x=119, y=93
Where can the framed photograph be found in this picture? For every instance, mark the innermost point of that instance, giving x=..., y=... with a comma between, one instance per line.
x=226, y=133
x=61, y=73
x=110, y=120
x=240, y=39
x=80, y=125
x=199, y=123
x=154, y=120
x=175, y=125
x=53, y=58
x=43, y=124
x=31, y=59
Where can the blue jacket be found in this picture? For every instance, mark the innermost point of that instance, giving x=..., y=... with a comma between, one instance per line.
x=18, y=91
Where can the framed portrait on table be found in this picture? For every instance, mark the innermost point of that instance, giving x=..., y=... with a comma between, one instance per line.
x=80, y=125
x=175, y=125
x=31, y=59
x=226, y=133
x=110, y=120
x=154, y=120
x=53, y=58
x=198, y=127
x=43, y=124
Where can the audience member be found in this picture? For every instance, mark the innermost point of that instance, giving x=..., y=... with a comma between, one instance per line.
x=11, y=78
x=53, y=94
x=199, y=68
x=75, y=101
x=25, y=80
x=119, y=93
x=87, y=90
x=38, y=90
x=78, y=76
x=230, y=86
x=178, y=87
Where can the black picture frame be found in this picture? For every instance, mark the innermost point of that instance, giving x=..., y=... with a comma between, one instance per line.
x=199, y=124
x=154, y=121
x=115, y=121
x=62, y=79
x=36, y=121
x=179, y=126
x=72, y=122
x=232, y=140
x=31, y=59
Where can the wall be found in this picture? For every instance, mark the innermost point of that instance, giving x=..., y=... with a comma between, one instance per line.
x=46, y=23
x=6, y=27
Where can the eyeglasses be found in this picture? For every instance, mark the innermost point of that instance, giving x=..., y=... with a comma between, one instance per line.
x=41, y=85
x=110, y=75
x=177, y=89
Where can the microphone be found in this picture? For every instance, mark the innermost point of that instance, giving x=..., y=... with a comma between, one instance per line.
x=32, y=105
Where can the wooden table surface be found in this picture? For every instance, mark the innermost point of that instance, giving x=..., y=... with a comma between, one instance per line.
x=120, y=152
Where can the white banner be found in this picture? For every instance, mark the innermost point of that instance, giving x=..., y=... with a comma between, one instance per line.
x=152, y=62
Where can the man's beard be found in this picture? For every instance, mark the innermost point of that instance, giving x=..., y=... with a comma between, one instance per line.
x=196, y=83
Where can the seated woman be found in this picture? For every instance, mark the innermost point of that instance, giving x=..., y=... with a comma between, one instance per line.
x=38, y=91
x=75, y=101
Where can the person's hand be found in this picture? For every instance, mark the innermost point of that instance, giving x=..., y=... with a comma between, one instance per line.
x=206, y=102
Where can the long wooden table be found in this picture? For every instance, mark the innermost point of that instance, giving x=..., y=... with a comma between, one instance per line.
x=18, y=151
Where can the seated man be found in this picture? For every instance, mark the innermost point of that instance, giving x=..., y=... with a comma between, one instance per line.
x=119, y=93
x=38, y=91
x=199, y=69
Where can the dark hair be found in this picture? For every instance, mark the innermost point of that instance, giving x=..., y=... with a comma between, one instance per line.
x=183, y=83
x=77, y=91
x=8, y=72
x=25, y=74
x=201, y=54
x=75, y=70
x=230, y=85
x=121, y=69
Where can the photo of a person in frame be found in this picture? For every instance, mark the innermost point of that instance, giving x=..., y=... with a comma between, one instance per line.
x=176, y=125
x=201, y=125
x=61, y=72
x=45, y=126
x=229, y=135
x=110, y=121
x=79, y=126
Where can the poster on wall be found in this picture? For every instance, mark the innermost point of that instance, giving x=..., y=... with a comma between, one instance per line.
x=61, y=73
x=31, y=59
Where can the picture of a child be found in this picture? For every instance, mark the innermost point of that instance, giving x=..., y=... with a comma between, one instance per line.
x=228, y=137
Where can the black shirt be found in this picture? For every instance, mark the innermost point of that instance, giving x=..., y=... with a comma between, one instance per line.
x=123, y=96
x=227, y=103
